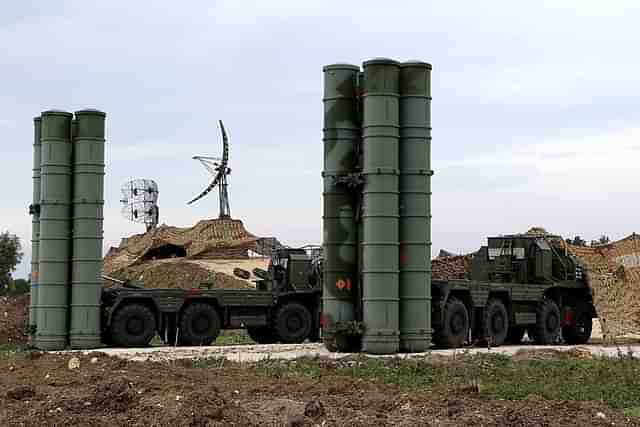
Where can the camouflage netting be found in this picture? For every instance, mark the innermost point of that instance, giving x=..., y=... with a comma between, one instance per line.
x=613, y=272
x=166, y=256
x=222, y=238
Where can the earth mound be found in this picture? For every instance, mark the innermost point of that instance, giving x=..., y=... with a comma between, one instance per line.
x=14, y=312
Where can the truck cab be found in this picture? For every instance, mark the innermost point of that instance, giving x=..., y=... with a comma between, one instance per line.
x=520, y=283
x=290, y=269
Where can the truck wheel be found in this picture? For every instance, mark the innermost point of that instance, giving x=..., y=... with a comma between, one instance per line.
x=515, y=335
x=262, y=335
x=496, y=322
x=547, y=328
x=133, y=325
x=579, y=331
x=199, y=325
x=293, y=323
x=455, y=325
x=314, y=336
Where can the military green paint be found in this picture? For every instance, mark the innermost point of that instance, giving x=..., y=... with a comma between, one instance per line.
x=88, y=201
x=35, y=226
x=55, y=231
x=341, y=132
x=380, y=207
x=415, y=209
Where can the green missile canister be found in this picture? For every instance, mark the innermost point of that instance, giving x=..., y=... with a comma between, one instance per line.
x=55, y=231
x=415, y=209
x=341, y=133
x=34, y=210
x=380, y=238
x=88, y=201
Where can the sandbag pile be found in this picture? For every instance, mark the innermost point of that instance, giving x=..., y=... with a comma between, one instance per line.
x=613, y=273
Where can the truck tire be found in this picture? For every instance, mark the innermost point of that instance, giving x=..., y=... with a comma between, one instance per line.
x=293, y=323
x=547, y=328
x=133, y=325
x=314, y=336
x=579, y=331
x=495, y=322
x=515, y=335
x=199, y=325
x=454, y=329
x=262, y=335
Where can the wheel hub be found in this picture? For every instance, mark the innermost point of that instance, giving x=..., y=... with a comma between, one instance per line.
x=135, y=326
x=294, y=323
x=457, y=323
x=497, y=323
x=552, y=323
x=201, y=324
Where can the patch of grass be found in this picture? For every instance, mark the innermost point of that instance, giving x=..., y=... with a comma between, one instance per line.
x=210, y=362
x=13, y=351
x=234, y=337
x=305, y=367
x=633, y=411
x=614, y=381
x=226, y=337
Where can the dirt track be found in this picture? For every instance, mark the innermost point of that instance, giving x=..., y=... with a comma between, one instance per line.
x=42, y=390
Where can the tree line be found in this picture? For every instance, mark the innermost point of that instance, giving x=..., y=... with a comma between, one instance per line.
x=10, y=256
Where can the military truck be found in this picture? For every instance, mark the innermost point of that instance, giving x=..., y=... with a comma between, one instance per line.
x=284, y=307
x=517, y=283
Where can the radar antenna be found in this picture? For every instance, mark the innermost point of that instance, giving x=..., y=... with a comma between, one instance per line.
x=140, y=202
x=218, y=168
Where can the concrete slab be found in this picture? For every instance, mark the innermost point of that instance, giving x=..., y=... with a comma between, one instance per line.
x=255, y=353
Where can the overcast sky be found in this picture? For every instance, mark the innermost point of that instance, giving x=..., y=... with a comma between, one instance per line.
x=535, y=106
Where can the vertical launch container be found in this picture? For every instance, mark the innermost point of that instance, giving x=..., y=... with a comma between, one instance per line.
x=34, y=210
x=341, y=133
x=380, y=207
x=88, y=201
x=55, y=231
x=415, y=209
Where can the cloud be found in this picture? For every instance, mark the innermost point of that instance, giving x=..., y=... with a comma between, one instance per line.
x=534, y=105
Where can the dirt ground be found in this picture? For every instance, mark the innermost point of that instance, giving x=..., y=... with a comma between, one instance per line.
x=14, y=312
x=42, y=390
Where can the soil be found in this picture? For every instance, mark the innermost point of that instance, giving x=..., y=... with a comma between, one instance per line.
x=14, y=312
x=41, y=390
x=178, y=273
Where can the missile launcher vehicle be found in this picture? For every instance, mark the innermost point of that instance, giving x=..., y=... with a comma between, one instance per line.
x=284, y=307
x=517, y=283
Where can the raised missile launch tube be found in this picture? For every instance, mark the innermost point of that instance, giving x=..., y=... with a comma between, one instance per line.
x=415, y=209
x=340, y=242
x=380, y=207
x=88, y=201
x=34, y=210
x=55, y=231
